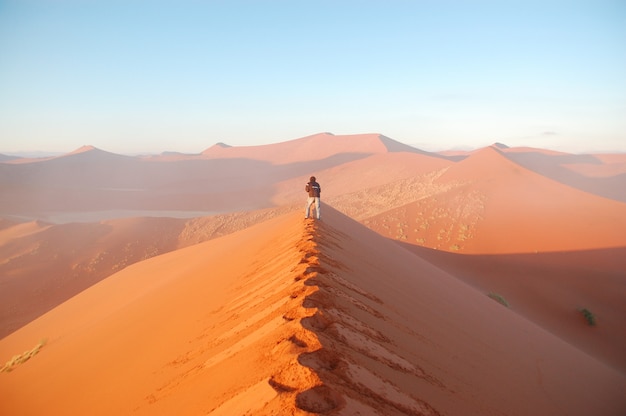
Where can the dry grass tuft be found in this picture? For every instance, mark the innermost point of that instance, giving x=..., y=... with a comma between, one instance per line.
x=498, y=298
x=22, y=358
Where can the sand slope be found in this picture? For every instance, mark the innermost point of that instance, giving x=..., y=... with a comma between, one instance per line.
x=294, y=317
x=315, y=147
x=42, y=264
x=603, y=175
x=222, y=179
x=354, y=185
x=551, y=288
x=488, y=204
x=95, y=180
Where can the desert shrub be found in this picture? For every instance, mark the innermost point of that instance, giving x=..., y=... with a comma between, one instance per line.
x=498, y=298
x=22, y=358
x=589, y=316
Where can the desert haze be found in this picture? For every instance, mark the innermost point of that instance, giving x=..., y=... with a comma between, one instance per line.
x=487, y=282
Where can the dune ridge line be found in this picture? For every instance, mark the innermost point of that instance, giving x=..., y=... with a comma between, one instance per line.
x=300, y=382
x=327, y=338
x=297, y=388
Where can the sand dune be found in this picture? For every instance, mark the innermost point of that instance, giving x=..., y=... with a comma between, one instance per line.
x=315, y=147
x=259, y=312
x=341, y=321
x=220, y=180
x=488, y=204
x=356, y=183
x=551, y=288
x=95, y=180
x=43, y=265
x=602, y=175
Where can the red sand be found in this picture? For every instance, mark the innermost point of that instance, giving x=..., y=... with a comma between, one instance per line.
x=487, y=204
x=289, y=317
x=551, y=288
x=315, y=147
x=45, y=264
x=339, y=321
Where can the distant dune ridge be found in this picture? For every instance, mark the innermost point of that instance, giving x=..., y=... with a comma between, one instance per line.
x=191, y=283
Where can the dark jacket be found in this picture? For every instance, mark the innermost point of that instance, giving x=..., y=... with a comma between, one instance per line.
x=313, y=188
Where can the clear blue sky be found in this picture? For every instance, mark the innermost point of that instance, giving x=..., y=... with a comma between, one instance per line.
x=144, y=76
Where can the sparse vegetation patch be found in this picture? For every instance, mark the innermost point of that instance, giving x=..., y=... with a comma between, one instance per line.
x=498, y=298
x=22, y=358
x=589, y=316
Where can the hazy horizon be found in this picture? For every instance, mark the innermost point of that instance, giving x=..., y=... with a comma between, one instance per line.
x=429, y=147
x=147, y=77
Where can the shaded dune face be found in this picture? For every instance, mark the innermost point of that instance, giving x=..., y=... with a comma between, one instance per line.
x=601, y=175
x=550, y=289
x=297, y=317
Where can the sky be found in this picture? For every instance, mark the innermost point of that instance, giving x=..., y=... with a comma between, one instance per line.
x=139, y=76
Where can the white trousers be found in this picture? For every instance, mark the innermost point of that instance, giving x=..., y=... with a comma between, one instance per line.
x=309, y=202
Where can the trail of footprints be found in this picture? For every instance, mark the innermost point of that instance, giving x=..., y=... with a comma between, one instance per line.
x=324, y=342
x=323, y=378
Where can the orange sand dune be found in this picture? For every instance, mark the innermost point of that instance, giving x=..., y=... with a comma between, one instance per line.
x=42, y=265
x=294, y=317
x=356, y=182
x=95, y=180
x=551, y=288
x=603, y=175
x=492, y=205
x=226, y=180
x=315, y=147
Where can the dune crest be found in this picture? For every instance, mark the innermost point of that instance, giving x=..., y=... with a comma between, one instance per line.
x=314, y=147
x=83, y=149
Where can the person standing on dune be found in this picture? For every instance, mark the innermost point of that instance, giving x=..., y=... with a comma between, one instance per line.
x=313, y=189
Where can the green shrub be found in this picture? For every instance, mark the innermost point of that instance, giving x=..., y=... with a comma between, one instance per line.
x=589, y=316
x=498, y=298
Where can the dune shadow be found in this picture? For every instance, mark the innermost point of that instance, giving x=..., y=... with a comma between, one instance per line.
x=552, y=166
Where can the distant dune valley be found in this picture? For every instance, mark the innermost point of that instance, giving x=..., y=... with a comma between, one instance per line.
x=479, y=282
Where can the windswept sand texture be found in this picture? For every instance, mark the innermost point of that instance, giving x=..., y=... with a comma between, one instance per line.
x=190, y=283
